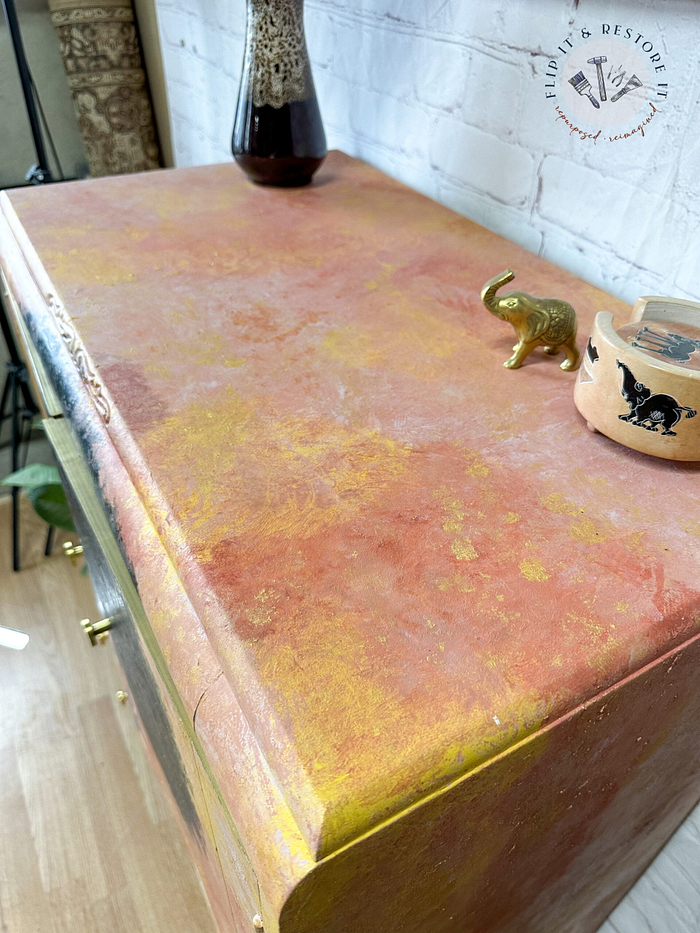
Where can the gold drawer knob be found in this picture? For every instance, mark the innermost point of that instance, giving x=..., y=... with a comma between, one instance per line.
x=97, y=631
x=73, y=551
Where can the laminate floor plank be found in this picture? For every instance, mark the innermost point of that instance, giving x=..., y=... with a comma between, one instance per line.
x=88, y=840
x=666, y=899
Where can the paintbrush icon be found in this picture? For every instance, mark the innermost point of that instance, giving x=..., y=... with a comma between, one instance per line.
x=582, y=85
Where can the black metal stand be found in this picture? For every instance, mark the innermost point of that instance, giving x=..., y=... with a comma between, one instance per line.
x=40, y=173
x=17, y=407
x=17, y=404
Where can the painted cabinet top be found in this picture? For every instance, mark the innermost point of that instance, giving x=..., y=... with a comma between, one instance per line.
x=405, y=556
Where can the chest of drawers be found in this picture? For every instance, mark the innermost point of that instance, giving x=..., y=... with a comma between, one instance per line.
x=415, y=652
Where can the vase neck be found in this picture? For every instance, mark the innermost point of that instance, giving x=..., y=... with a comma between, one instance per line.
x=276, y=66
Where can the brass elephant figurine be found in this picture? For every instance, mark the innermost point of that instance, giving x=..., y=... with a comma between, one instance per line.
x=538, y=322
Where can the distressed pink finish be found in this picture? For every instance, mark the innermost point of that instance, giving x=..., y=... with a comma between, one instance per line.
x=397, y=559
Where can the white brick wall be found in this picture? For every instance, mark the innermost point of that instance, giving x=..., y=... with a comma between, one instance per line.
x=448, y=96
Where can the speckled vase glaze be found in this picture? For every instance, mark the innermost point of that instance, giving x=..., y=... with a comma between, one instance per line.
x=278, y=136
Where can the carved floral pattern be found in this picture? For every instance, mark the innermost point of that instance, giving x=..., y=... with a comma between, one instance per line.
x=79, y=356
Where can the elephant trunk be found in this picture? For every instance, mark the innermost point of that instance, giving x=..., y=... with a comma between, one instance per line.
x=488, y=292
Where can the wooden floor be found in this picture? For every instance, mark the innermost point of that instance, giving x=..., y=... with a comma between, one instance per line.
x=88, y=843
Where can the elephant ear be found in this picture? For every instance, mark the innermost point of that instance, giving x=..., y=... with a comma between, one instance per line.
x=537, y=323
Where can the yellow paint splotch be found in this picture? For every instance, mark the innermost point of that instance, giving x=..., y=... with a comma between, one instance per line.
x=212, y=351
x=463, y=549
x=692, y=527
x=382, y=279
x=477, y=468
x=457, y=581
x=453, y=511
x=633, y=542
x=262, y=613
x=89, y=265
x=454, y=516
x=533, y=569
x=557, y=504
x=291, y=477
x=351, y=346
x=586, y=532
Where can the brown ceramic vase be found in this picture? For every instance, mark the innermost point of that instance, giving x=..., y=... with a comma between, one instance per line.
x=278, y=136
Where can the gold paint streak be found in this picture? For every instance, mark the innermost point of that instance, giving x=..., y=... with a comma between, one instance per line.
x=87, y=265
x=621, y=606
x=137, y=233
x=463, y=549
x=291, y=477
x=452, y=526
x=559, y=505
x=263, y=614
x=634, y=542
x=534, y=570
x=586, y=531
x=512, y=517
x=502, y=615
x=352, y=347
x=477, y=468
x=458, y=581
x=259, y=616
x=453, y=509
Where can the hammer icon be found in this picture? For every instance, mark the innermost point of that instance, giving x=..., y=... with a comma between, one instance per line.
x=598, y=62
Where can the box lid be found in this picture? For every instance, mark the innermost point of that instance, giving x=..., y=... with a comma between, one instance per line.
x=405, y=557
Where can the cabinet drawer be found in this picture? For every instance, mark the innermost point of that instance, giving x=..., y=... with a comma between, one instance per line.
x=169, y=735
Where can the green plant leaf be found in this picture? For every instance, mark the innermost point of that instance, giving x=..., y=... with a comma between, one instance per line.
x=35, y=474
x=50, y=504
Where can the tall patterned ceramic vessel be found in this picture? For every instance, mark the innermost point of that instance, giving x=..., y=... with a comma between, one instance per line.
x=278, y=136
x=103, y=62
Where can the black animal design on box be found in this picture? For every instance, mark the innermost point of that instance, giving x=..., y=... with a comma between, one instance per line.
x=674, y=347
x=648, y=410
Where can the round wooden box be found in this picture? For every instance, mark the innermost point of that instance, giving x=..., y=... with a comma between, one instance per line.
x=640, y=384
